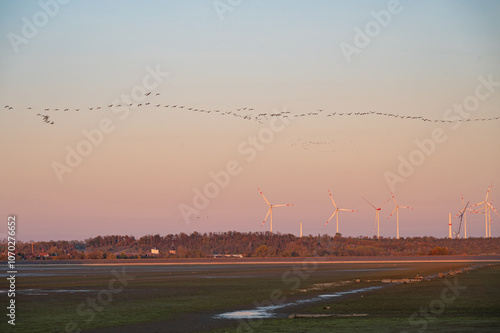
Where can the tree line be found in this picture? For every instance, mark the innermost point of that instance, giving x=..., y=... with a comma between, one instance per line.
x=249, y=244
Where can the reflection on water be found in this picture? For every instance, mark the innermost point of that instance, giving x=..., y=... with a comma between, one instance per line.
x=268, y=311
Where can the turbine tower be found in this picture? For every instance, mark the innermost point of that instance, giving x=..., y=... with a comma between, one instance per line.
x=270, y=211
x=337, y=210
x=449, y=227
x=377, y=214
x=397, y=213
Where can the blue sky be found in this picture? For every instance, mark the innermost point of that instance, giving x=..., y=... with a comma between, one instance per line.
x=288, y=44
x=265, y=55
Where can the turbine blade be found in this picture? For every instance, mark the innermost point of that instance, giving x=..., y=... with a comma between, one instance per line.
x=392, y=212
x=405, y=207
x=330, y=217
x=385, y=203
x=394, y=199
x=284, y=205
x=332, y=198
x=488, y=192
x=369, y=203
x=460, y=212
x=348, y=210
x=479, y=204
x=491, y=206
x=264, y=197
x=463, y=202
x=265, y=218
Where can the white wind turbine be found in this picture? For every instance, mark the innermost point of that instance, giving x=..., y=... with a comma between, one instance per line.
x=487, y=211
x=270, y=211
x=489, y=215
x=377, y=214
x=397, y=213
x=463, y=212
x=337, y=210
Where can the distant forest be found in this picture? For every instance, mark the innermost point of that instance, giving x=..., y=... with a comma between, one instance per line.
x=250, y=244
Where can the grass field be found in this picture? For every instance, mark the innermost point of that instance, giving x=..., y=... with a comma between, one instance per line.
x=187, y=297
x=429, y=306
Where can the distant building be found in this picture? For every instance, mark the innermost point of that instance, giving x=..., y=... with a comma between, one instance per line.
x=172, y=251
x=43, y=255
x=155, y=251
x=228, y=256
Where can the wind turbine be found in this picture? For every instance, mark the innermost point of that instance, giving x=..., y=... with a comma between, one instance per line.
x=337, y=209
x=397, y=213
x=489, y=215
x=270, y=211
x=487, y=211
x=377, y=214
x=463, y=213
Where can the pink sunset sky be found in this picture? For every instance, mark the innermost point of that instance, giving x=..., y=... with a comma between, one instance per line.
x=141, y=168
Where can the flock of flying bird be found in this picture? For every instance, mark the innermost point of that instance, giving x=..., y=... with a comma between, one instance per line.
x=242, y=112
x=247, y=113
x=321, y=146
x=45, y=119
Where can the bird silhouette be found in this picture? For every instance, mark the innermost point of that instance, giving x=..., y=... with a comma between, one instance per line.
x=237, y=113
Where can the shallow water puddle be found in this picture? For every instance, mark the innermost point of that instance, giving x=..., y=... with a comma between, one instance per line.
x=268, y=311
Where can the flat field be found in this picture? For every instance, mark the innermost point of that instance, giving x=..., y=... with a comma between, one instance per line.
x=192, y=298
